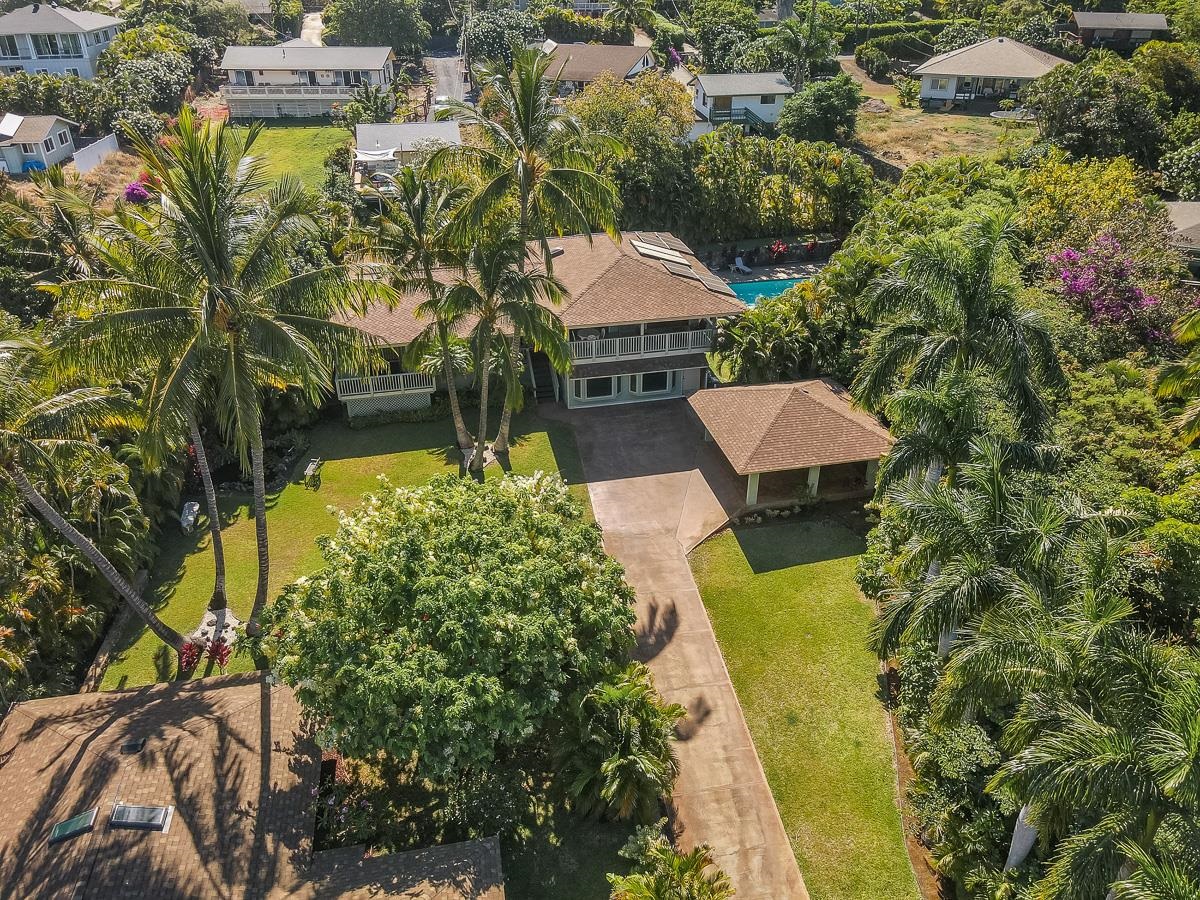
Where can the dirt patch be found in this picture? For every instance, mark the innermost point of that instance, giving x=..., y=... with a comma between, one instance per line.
x=112, y=175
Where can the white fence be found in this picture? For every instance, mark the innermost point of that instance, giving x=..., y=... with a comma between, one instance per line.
x=641, y=345
x=94, y=154
x=400, y=383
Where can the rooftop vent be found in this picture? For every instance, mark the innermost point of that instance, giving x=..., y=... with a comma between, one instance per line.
x=147, y=818
x=556, y=252
x=133, y=745
x=76, y=825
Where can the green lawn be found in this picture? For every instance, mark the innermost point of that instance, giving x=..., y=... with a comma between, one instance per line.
x=407, y=453
x=792, y=627
x=299, y=149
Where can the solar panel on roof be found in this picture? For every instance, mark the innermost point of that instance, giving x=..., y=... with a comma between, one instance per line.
x=658, y=252
x=79, y=824
x=650, y=237
x=680, y=269
x=674, y=243
x=716, y=284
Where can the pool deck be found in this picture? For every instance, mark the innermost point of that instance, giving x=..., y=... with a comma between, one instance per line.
x=774, y=273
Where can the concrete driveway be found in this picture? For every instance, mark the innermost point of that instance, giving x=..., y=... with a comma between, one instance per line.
x=447, y=72
x=657, y=490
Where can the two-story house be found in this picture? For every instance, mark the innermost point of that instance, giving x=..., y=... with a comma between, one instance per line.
x=639, y=319
x=298, y=78
x=1119, y=30
x=751, y=99
x=51, y=39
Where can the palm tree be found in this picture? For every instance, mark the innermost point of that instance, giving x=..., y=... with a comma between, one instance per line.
x=412, y=236
x=1181, y=381
x=498, y=293
x=776, y=340
x=39, y=427
x=672, y=875
x=630, y=14
x=534, y=158
x=201, y=291
x=950, y=305
x=53, y=225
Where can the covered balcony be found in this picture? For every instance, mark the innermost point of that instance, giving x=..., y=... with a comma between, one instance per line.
x=635, y=341
x=372, y=385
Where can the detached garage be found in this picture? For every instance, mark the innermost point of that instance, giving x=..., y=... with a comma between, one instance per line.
x=794, y=439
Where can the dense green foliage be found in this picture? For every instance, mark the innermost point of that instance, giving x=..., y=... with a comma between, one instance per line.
x=822, y=110
x=378, y=23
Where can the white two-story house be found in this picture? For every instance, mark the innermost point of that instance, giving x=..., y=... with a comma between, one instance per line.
x=54, y=40
x=639, y=319
x=298, y=78
x=751, y=99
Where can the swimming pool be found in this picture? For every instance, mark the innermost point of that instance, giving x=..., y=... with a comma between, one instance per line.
x=749, y=291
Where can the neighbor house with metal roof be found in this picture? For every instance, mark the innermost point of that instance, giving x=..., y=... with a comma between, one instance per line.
x=638, y=316
x=750, y=99
x=202, y=788
x=387, y=145
x=34, y=143
x=793, y=439
x=575, y=66
x=995, y=69
x=299, y=78
x=54, y=40
x=1120, y=30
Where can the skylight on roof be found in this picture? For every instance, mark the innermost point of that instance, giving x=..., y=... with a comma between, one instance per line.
x=147, y=818
x=76, y=825
x=658, y=252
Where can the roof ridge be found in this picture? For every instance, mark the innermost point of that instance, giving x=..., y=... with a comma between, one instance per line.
x=844, y=413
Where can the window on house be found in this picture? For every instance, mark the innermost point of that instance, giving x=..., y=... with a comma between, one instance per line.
x=767, y=99
x=654, y=382
x=939, y=84
x=594, y=388
x=69, y=828
x=48, y=144
x=28, y=149
x=8, y=45
x=147, y=818
x=73, y=71
x=57, y=45
x=63, y=137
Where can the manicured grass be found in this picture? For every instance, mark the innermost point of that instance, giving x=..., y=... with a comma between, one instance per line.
x=793, y=627
x=408, y=454
x=299, y=149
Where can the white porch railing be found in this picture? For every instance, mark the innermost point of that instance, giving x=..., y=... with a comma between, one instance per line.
x=288, y=90
x=642, y=345
x=372, y=385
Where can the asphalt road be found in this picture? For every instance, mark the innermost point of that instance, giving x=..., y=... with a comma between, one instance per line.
x=447, y=74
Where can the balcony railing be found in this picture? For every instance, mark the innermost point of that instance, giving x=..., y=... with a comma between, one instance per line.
x=289, y=90
x=739, y=114
x=371, y=385
x=642, y=345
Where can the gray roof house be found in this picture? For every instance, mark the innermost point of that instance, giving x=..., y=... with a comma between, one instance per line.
x=54, y=40
x=29, y=143
x=1119, y=29
x=297, y=78
x=993, y=69
x=385, y=146
x=751, y=99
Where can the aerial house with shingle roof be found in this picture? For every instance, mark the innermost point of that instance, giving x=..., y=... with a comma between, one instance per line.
x=575, y=66
x=1122, y=30
x=639, y=319
x=995, y=69
x=793, y=438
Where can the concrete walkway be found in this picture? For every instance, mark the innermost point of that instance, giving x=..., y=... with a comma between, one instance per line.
x=657, y=490
x=312, y=29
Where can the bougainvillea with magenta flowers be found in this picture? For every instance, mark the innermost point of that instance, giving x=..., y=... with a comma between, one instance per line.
x=1100, y=280
x=135, y=192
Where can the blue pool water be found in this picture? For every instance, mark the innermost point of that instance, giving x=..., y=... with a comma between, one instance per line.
x=749, y=291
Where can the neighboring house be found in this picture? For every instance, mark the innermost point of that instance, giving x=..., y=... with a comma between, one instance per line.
x=794, y=439
x=1185, y=219
x=298, y=78
x=575, y=66
x=259, y=11
x=1122, y=30
x=386, y=146
x=580, y=7
x=52, y=39
x=198, y=788
x=995, y=69
x=29, y=143
x=639, y=317
x=752, y=99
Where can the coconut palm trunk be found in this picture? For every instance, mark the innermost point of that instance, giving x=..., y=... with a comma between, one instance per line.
x=460, y=425
x=78, y=540
x=1023, y=838
x=260, y=531
x=485, y=361
x=500, y=445
x=219, y=599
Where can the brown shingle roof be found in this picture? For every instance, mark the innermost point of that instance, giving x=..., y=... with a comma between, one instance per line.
x=34, y=129
x=586, y=62
x=607, y=284
x=997, y=57
x=231, y=755
x=794, y=425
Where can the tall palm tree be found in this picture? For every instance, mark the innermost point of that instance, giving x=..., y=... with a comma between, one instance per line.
x=53, y=224
x=498, y=294
x=201, y=291
x=630, y=14
x=1181, y=381
x=950, y=305
x=672, y=875
x=534, y=159
x=39, y=426
x=412, y=235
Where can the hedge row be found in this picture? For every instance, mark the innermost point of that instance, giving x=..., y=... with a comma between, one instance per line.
x=907, y=45
x=856, y=36
x=568, y=27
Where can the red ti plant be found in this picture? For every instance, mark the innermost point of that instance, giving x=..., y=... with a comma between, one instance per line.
x=218, y=652
x=778, y=250
x=190, y=655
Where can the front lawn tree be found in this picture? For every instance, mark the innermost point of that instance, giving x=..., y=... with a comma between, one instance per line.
x=379, y=23
x=453, y=623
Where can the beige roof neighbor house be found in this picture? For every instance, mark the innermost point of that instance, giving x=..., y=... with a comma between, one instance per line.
x=998, y=57
x=789, y=426
x=190, y=789
x=583, y=63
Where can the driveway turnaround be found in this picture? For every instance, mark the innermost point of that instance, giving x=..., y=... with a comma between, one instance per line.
x=657, y=490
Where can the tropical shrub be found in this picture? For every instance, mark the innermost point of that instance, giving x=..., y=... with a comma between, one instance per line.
x=958, y=35
x=875, y=62
x=822, y=110
x=378, y=23
x=908, y=90
x=568, y=27
x=720, y=28
x=1099, y=280
x=452, y=623
x=776, y=340
x=666, y=872
x=493, y=33
x=1181, y=172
